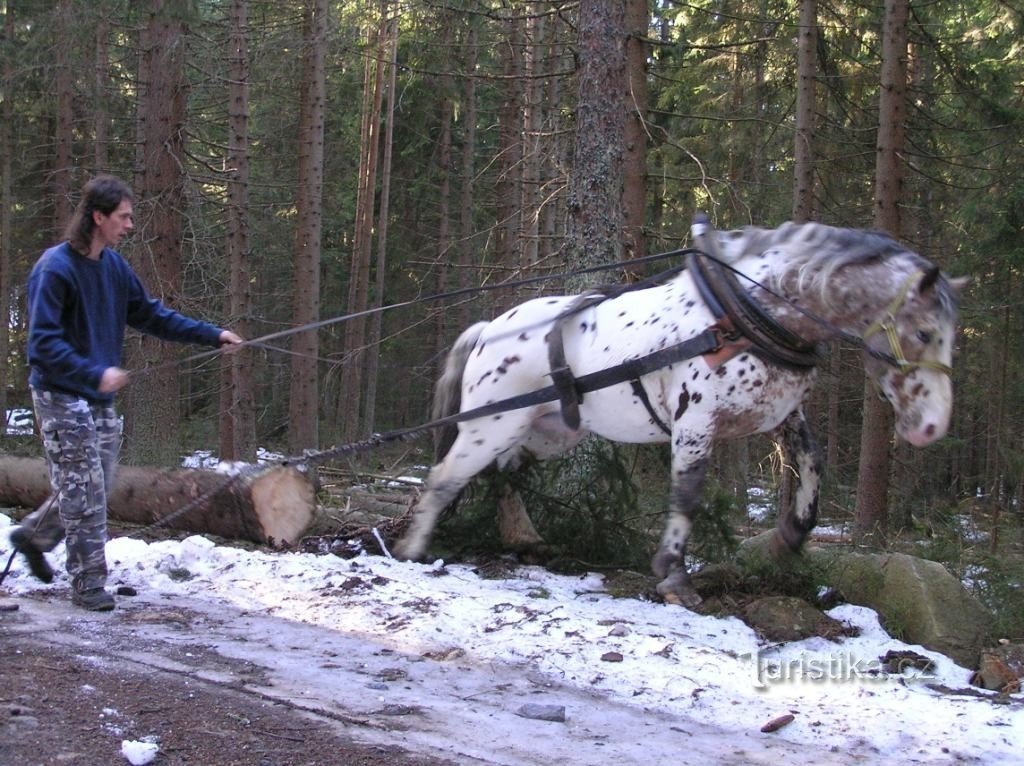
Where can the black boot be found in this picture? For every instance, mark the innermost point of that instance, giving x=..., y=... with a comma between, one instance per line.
x=95, y=600
x=37, y=563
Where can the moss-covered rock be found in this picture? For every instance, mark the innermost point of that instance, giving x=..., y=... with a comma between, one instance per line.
x=918, y=601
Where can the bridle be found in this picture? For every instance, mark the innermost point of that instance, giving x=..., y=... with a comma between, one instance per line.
x=887, y=324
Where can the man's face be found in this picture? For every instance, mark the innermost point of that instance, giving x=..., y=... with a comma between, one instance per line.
x=110, y=229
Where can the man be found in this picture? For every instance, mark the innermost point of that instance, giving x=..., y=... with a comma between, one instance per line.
x=81, y=295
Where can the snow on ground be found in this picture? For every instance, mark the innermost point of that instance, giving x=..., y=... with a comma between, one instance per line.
x=654, y=659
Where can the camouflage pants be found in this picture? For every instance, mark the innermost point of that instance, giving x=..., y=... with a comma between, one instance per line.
x=81, y=441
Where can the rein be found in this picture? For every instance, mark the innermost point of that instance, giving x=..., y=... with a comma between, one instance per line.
x=261, y=341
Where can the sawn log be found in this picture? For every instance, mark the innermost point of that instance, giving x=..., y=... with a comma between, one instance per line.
x=273, y=506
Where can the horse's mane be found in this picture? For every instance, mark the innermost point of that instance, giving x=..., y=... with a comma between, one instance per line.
x=817, y=251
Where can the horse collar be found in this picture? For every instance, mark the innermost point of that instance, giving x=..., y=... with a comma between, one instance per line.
x=739, y=315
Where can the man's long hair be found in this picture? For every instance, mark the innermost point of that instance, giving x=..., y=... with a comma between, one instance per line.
x=102, y=193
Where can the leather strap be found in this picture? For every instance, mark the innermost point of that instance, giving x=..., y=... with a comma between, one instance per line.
x=740, y=315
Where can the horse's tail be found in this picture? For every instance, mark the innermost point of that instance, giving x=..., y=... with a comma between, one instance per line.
x=448, y=392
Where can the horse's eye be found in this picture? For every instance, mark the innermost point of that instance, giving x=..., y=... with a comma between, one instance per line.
x=924, y=336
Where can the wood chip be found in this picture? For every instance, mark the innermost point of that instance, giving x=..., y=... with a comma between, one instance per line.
x=777, y=723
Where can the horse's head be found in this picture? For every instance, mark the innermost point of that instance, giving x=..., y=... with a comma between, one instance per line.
x=912, y=345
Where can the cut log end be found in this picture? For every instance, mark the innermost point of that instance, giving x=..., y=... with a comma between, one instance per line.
x=284, y=501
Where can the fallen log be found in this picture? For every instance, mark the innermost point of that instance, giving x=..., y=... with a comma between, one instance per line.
x=271, y=506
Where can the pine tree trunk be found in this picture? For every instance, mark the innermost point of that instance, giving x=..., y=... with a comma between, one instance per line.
x=151, y=402
x=508, y=188
x=350, y=398
x=444, y=255
x=803, y=149
x=6, y=201
x=6, y=286
x=237, y=410
x=272, y=506
x=303, y=411
x=595, y=230
x=63, y=135
x=468, y=241
x=634, y=196
x=389, y=53
x=871, y=515
x=100, y=110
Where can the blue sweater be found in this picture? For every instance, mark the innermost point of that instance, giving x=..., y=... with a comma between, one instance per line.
x=78, y=309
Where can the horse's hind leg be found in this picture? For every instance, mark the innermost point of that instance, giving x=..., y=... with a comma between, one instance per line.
x=802, y=465
x=443, y=486
x=468, y=456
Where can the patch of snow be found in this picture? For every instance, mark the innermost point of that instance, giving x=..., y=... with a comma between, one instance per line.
x=634, y=660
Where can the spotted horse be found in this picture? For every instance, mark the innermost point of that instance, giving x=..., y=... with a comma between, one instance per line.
x=799, y=285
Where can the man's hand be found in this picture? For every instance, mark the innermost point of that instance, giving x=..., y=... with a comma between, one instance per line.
x=228, y=338
x=113, y=379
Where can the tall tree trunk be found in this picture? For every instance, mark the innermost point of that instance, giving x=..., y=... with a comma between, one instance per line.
x=803, y=164
x=354, y=351
x=634, y=197
x=871, y=516
x=595, y=227
x=303, y=408
x=508, y=188
x=468, y=240
x=63, y=135
x=6, y=262
x=151, y=403
x=560, y=150
x=444, y=170
x=237, y=411
x=533, y=145
x=100, y=112
x=803, y=149
x=389, y=50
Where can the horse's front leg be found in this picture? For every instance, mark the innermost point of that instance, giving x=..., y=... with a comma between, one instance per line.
x=801, y=465
x=689, y=468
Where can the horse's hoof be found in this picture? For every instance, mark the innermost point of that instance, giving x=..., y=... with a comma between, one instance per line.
x=674, y=590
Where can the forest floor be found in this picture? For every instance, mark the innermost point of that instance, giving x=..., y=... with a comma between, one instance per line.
x=74, y=685
x=212, y=683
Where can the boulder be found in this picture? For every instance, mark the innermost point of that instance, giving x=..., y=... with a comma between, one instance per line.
x=918, y=601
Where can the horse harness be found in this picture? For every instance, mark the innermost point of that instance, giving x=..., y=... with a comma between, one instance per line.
x=740, y=323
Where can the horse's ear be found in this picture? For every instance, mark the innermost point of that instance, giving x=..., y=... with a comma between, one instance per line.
x=929, y=279
x=959, y=284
